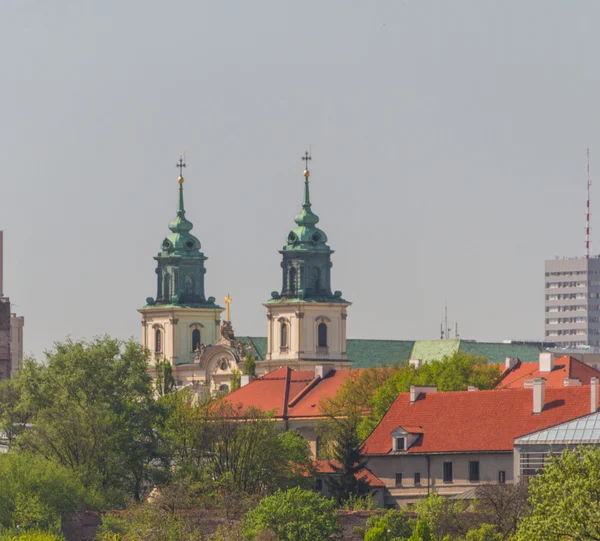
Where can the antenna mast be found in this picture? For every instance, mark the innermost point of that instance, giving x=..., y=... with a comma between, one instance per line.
x=587, y=210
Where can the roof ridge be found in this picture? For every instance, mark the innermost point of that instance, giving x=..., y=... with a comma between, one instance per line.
x=304, y=391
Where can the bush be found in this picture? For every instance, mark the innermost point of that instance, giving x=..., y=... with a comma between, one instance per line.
x=392, y=525
x=293, y=515
x=36, y=492
x=32, y=535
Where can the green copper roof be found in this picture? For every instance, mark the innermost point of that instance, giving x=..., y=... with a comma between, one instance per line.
x=181, y=241
x=365, y=353
x=306, y=236
x=433, y=350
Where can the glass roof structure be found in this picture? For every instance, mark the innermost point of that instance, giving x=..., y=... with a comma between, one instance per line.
x=583, y=430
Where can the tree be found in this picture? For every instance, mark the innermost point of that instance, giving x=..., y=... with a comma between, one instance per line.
x=347, y=480
x=249, y=365
x=294, y=515
x=422, y=532
x=502, y=505
x=164, y=382
x=565, y=499
x=486, y=532
x=35, y=492
x=92, y=410
x=236, y=379
x=393, y=525
x=13, y=417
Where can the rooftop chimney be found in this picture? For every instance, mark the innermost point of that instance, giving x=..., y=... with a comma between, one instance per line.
x=510, y=362
x=416, y=391
x=323, y=370
x=572, y=382
x=245, y=379
x=593, y=394
x=546, y=362
x=415, y=363
x=472, y=388
x=538, y=394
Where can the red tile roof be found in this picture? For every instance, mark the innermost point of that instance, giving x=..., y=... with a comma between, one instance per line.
x=564, y=367
x=288, y=393
x=475, y=420
x=326, y=466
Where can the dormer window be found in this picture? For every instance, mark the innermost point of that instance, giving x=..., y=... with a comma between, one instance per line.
x=400, y=444
x=403, y=438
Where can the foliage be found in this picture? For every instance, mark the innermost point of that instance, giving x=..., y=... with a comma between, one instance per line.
x=36, y=491
x=502, y=505
x=294, y=515
x=164, y=382
x=148, y=523
x=369, y=393
x=390, y=526
x=422, y=531
x=32, y=535
x=236, y=379
x=486, y=532
x=239, y=449
x=13, y=417
x=249, y=365
x=565, y=499
x=359, y=503
x=347, y=480
x=92, y=410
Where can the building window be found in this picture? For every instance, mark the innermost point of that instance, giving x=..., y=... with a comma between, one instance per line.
x=224, y=388
x=292, y=282
x=322, y=335
x=195, y=339
x=400, y=445
x=157, y=341
x=317, y=447
x=284, y=336
x=448, y=477
x=501, y=477
x=417, y=478
x=398, y=479
x=167, y=288
x=474, y=471
x=319, y=485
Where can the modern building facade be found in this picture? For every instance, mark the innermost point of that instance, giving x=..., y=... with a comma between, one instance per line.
x=572, y=302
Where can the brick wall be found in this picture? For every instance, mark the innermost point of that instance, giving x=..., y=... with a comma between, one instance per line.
x=4, y=338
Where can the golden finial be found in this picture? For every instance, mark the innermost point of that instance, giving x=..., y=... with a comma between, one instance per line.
x=306, y=158
x=181, y=165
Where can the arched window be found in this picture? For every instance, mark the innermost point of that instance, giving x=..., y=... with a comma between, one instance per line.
x=292, y=282
x=224, y=388
x=284, y=336
x=157, y=341
x=322, y=335
x=195, y=339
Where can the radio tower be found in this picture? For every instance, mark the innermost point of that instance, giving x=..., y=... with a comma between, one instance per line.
x=587, y=210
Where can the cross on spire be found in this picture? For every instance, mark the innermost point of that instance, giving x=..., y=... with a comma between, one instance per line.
x=181, y=164
x=306, y=158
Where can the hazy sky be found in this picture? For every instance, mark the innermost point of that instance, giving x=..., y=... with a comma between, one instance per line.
x=448, y=145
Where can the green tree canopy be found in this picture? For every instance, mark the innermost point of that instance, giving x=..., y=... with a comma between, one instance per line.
x=565, y=499
x=92, y=409
x=294, y=515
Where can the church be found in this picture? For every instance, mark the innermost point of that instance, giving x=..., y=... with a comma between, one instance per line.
x=306, y=317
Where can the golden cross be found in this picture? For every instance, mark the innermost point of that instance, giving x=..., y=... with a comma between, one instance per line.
x=228, y=300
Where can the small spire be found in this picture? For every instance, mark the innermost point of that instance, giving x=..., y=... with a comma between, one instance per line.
x=181, y=165
x=306, y=217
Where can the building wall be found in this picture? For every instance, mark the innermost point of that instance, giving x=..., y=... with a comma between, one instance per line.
x=572, y=302
x=386, y=468
x=176, y=326
x=16, y=341
x=302, y=320
x=5, y=360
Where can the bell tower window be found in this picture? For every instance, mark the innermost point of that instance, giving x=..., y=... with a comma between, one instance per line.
x=195, y=339
x=322, y=332
x=292, y=282
x=284, y=336
x=167, y=287
x=157, y=341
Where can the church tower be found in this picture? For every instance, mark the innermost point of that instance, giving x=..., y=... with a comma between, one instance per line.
x=306, y=321
x=181, y=318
